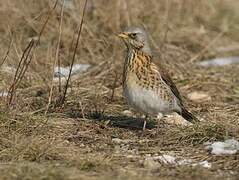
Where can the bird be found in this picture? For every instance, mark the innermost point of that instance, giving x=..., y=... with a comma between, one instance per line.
x=147, y=87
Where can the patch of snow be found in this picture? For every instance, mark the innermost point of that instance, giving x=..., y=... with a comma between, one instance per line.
x=8, y=69
x=3, y=94
x=171, y=160
x=230, y=146
x=166, y=159
x=185, y=162
x=70, y=5
x=204, y=164
x=221, y=61
x=67, y=4
x=76, y=69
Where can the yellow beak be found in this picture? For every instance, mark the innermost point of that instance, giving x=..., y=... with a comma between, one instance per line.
x=123, y=35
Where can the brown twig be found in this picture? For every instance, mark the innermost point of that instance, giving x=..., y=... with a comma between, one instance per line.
x=57, y=60
x=21, y=69
x=25, y=60
x=22, y=59
x=114, y=86
x=74, y=54
x=47, y=19
x=58, y=45
x=7, y=52
x=51, y=90
x=82, y=110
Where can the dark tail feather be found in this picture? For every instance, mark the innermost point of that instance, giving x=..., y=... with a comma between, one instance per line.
x=188, y=116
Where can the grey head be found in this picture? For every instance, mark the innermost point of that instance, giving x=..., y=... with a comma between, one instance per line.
x=136, y=38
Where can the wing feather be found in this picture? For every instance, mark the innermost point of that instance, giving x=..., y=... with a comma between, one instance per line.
x=167, y=80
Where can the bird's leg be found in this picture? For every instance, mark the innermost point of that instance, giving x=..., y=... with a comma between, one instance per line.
x=145, y=122
x=159, y=117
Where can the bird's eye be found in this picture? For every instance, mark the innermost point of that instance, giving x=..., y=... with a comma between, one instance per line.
x=133, y=35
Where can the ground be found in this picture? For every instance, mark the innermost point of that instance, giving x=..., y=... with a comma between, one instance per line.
x=94, y=134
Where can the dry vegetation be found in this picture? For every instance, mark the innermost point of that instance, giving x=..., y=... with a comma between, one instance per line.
x=74, y=140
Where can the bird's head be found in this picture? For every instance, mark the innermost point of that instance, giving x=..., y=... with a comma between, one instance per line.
x=136, y=38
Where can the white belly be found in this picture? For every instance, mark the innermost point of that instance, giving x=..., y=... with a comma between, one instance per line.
x=149, y=102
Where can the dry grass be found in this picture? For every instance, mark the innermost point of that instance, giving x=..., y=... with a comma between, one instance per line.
x=74, y=141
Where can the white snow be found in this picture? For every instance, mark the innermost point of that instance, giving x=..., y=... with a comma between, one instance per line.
x=68, y=4
x=185, y=162
x=8, y=69
x=3, y=94
x=204, y=164
x=221, y=61
x=230, y=146
x=166, y=159
x=171, y=160
x=76, y=69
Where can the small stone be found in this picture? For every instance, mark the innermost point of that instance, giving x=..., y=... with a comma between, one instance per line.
x=120, y=141
x=176, y=119
x=127, y=113
x=199, y=96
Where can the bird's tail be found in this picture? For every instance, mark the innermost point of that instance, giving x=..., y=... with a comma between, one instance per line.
x=188, y=116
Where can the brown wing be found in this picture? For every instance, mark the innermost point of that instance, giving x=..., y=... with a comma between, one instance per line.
x=167, y=79
x=185, y=113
